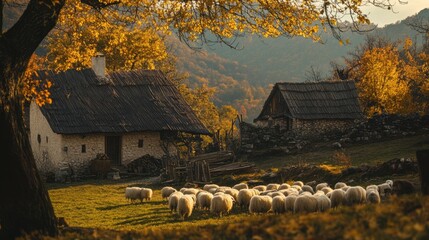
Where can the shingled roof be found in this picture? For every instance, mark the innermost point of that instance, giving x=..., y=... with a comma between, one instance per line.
x=131, y=101
x=317, y=100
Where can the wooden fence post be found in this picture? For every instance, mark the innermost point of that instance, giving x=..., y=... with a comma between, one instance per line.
x=423, y=162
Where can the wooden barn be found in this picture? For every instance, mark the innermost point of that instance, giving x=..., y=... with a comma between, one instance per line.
x=124, y=115
x=311, y=108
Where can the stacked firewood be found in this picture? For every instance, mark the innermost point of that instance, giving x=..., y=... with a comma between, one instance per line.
x=233, y=168
x=146, y=165
x=215, y=159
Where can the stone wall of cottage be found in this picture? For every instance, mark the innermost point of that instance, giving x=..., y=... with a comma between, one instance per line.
x=305, y=133
x=152, y=145
x=309, y=129
x=281, y=123
x=73, y=146
x=45, y=144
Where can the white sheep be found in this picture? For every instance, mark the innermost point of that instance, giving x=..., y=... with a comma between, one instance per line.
x=240, y=186
x=355, y=195
x=337, y=197
x=319, y=193
x=244, y=196
x=275, y=194
x=298, y=183
x=233, y=193
x=305, y=193
x=185, y=206
x=260, y=188
x=385, y=190
x=221, y=204
x=363, y=192
x=284, y=191
x=307, y=188
x=326, y=190
x=212, y=190
x=297, y=187
x=372, y=196
x=133, y=193
x=278, y=204
x=273, y=186
x=290, y=191
x=345, y=188
x=207, y=187
x=323, y=203
x=260, y=204
x=173, y=200
x=267, y=192
x=375, y=187
x=305, y=204
x=283, y=186
x=146, y=194
x=204, y=200
x=222, y=189
x=339, y=185
x=166, y=191
x=321, y=185
x=290, y=202
x=191, y=191
x=390, y=182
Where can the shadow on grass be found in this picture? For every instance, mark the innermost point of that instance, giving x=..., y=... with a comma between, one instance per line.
x=113, y=207
x=154, y=220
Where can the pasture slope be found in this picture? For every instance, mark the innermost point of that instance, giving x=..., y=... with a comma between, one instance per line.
x=98, y=210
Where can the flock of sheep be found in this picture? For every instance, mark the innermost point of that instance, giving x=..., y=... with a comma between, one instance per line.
x=276, y=198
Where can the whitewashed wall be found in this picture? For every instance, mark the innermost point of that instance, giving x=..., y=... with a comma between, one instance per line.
x=48, y=153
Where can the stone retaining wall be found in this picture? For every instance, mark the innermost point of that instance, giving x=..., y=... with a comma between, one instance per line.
x=306, y=132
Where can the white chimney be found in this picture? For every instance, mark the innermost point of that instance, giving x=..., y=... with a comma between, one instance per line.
x=99, y=65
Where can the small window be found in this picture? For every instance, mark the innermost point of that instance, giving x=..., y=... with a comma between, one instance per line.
x=83, y=148
x=39, y=138
x=47, y=139
x=140, y=145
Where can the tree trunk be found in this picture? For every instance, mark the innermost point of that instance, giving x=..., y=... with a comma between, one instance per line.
x=24, y=201
x=423, y=161
x=25, y=204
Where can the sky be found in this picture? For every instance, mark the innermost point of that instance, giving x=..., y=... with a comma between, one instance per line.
x=382, y=17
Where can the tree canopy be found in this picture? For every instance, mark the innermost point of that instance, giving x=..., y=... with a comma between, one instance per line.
x=391, y=77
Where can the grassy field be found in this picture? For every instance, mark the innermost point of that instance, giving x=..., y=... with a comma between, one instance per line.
x=101, y=205
x=370, y=153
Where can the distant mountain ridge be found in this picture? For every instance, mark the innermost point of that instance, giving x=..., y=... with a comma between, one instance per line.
x=247, y=74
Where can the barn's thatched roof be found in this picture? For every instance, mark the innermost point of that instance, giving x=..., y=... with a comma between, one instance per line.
x=316, y=100
x=130, y=101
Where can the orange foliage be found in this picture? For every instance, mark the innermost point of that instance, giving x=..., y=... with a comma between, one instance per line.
x=34, y=88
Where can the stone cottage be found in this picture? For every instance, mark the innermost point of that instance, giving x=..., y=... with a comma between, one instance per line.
x=124, y=115
x=310, y=109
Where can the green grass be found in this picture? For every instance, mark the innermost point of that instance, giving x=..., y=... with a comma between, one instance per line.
x=104, y=206
x=370, y=153
x=94, y=210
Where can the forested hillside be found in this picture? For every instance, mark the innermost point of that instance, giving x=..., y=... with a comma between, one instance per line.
x=244, y=77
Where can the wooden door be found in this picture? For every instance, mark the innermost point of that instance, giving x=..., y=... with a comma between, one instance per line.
x=113, y=148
